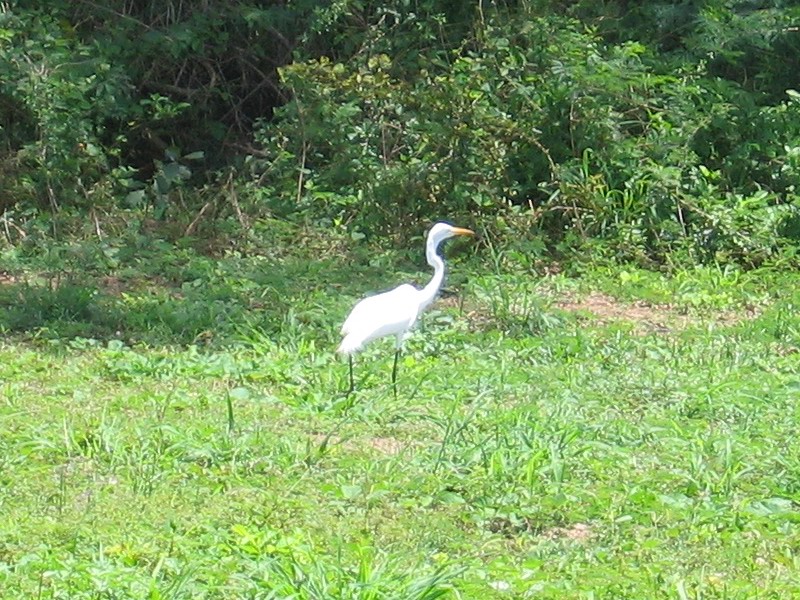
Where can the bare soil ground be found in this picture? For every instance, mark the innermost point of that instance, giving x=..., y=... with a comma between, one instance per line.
x=384, y=445
x=645, y=316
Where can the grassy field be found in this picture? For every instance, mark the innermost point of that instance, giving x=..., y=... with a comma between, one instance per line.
x=173, y=426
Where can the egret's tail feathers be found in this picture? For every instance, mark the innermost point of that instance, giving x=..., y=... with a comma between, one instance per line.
x=350, y=344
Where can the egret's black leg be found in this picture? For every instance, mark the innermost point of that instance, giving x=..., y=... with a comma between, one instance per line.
x=394, y=372
x=352, y=382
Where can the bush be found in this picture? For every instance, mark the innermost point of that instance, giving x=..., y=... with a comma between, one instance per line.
x=639, y=130
x=99, y=101
x=539, y=115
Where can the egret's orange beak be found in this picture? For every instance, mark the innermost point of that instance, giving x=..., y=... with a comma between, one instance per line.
x=462, y=231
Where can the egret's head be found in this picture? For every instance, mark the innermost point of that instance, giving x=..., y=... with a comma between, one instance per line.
x=443, y=231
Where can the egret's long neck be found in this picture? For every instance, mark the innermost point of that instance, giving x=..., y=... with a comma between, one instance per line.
x=428, y=293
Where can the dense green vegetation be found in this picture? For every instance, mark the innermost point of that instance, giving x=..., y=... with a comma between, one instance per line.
x=194, y=193
x=654, y=129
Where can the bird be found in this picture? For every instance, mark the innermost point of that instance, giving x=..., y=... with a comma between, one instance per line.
x=395, y=312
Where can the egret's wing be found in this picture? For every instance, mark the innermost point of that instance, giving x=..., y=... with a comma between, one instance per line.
x=391, y=312
x=395, y=306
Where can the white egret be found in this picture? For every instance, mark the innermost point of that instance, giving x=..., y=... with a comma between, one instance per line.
x=395, y=312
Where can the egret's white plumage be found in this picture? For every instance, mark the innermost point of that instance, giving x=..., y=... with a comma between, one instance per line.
x=395, y=312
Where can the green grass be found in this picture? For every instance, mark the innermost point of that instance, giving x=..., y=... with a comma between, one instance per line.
x=173, y=426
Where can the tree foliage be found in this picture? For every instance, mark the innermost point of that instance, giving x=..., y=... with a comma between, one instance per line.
x=641, y=129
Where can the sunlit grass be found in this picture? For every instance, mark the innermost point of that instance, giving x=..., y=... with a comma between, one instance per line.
x=194, y=440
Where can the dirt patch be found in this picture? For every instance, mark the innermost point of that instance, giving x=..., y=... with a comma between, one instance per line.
x=602, y=309
x=647, y=317
x=450, y=301
x=783, y=349
x=113, y=285
x=7, y=278
x=388, y=446
x=578, y=532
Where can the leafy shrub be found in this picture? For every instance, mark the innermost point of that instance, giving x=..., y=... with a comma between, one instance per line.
x=56, y=93
x=635, y=130
x=359, y=142
x=538, y=114
x=96, y=102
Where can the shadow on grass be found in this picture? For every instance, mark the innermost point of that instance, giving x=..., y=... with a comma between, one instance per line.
x=85, y=309
x=177, y=297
